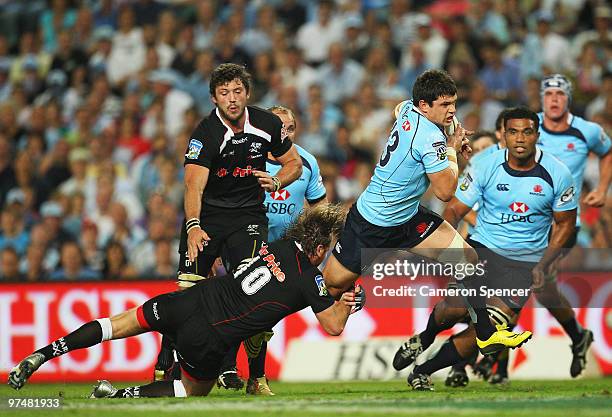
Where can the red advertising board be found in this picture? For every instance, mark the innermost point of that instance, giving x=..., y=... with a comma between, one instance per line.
x=33, y=315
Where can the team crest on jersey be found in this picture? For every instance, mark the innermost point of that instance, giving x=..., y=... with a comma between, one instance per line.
x=571, y=147
x=280, y=195
x=566, y=197
x=194, y=149
x=255, y=147
x=537, y=190
x=321, y=285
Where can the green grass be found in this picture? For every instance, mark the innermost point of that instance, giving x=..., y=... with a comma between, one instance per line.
x=586, y=397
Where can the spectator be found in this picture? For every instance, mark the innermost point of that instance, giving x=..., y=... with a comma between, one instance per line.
x=116, y=265
x=501, y=76
x=479, y=104
x=9, y=265
x=316, y=37
x=13, y=233
x=128, y=50
x=32, y=266
x=340, y=77
x=72, y=267
x=175, y=102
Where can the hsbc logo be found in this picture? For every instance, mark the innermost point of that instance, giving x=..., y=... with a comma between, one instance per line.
x=280, y=195
x=519, y=207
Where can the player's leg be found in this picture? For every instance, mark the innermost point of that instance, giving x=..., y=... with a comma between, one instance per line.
x=557, y=304
x=456, y=349
x=189, y=273
x=344, y=265
x=97, y=331
x=240, y=246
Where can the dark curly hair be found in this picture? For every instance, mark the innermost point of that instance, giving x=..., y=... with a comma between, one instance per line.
x=316, y=226
x=228, y=72
x=431, y=85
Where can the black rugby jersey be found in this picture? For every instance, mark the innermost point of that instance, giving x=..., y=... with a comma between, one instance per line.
x=279, y=281
x=232, y=158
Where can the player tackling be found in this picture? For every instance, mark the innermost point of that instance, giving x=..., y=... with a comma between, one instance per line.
x=208, y=318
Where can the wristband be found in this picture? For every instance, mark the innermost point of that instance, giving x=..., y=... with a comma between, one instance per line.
x=191, y=223
x=451, y=152
x=277, y=183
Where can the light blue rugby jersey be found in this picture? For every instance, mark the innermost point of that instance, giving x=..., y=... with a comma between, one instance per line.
x=283, y=206
x=416, y=147
x=474, y=161
x=573, y=145
x=517, y=207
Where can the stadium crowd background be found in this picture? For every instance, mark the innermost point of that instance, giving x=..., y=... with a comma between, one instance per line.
x=98, y=99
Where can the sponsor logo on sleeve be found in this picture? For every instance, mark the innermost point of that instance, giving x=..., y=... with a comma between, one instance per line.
x=566, y=197
x=194, y=149
x=321, y=285
x=465, y=184
x=441, y=152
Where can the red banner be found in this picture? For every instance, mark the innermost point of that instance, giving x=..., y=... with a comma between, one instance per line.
x=33, y=315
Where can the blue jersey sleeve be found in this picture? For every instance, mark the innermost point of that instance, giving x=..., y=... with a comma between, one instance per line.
x=315, y=190
x=469, y=191
x=597, y=140
x=431, y=149
x=565, y=190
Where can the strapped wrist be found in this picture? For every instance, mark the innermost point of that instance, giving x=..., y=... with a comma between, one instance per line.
x=192, y=223
x=277, y=183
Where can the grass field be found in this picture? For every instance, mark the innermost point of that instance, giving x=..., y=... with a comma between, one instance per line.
x=585, y=397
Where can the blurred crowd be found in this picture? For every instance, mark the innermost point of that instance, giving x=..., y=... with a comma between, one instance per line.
x=98, y=99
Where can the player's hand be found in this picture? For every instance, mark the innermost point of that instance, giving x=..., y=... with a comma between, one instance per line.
x=354, y=298
x=466, y=149
x=595, y=198
x=265, y=180
x=456, y=140
x=196, y=240
x=538, y=278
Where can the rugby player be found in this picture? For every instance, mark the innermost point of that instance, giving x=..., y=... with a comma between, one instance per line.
x=225, y=180
x=570, y=138
x=282, y=207
x=512, y=234
x=207, y=319
x=388, y=214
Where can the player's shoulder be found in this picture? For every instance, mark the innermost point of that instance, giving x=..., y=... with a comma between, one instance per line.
x=554, y=165
x=484, y=162
x=262, y=118
x=308, y=159
x=589, y=129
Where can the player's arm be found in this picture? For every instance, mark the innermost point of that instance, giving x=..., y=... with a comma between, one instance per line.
x=564, y=227
x=597, y=197
x=455, y=211
x=196, y=177
x=444, y=182
x=333, y=319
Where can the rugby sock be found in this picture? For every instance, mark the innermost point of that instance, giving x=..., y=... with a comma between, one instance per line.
x=484, y=327
x=502, y=363
x=573, y=329
x=229, y=361
x=154, y=389
x=257, y=365
x=446, y=356
x=165, y=358
x=87, y=335
x=432, y=330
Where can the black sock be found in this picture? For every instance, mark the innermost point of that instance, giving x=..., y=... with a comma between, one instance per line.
x=257, y=365
x=154, y=389
x=165, y=357
x=432, y=330
x=573, y=329
x=483, y=326
x=85, y=336
x=502, y=363
x=460, y=366
x=446, y=356
x=229, y=361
